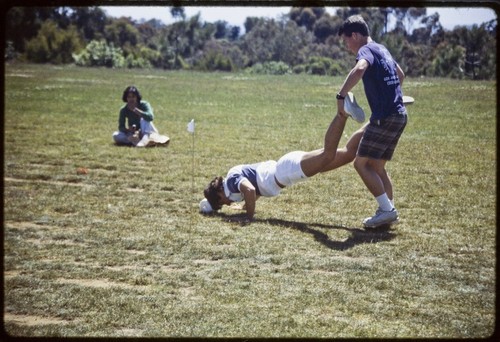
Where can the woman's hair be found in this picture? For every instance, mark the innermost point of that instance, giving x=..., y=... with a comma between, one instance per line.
x=131, y=89
x=355, y=23
x=211, y=192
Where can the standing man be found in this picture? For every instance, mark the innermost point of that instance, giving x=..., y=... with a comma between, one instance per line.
x=382, y=80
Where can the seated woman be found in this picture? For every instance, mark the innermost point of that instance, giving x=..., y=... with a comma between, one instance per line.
x=139, y=116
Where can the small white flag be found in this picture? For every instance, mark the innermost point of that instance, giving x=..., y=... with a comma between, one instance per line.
x=190, y=126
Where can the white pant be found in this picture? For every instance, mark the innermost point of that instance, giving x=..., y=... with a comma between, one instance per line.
x=147, y=127
x=288, y=170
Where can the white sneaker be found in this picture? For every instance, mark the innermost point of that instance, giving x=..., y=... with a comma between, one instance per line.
x=144, y=141
x=392, y=223
x=353, y=109
x=381, y=218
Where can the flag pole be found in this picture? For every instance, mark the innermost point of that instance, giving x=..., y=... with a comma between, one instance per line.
x=191, y=129
x=192, y=167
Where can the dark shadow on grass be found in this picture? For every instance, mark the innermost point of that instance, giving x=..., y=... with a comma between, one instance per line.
x=358, y=236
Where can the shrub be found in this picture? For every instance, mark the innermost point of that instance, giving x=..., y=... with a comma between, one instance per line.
x=98, y=53
x=270, y=68
x=319, y=66
x=215, y=61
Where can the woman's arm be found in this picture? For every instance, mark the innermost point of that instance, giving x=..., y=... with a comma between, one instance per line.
x=250, y=196
x=145, y=110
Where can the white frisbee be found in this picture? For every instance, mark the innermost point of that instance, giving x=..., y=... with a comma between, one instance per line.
x=407, y=100
x=353, y=109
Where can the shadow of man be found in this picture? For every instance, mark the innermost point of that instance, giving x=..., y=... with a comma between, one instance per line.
x=358, y=236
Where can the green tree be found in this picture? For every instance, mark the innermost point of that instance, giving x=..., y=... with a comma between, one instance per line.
x=90, y=21
x=326, y=26
x=23, y=23
x=449, y=61
x=258, y=43
x=53, y=45
x=306, y=16
x=178, y=13
x=122, y=32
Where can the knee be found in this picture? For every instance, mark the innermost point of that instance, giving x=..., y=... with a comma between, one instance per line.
x=359, y=164
x=120, y=138
x=350, y=154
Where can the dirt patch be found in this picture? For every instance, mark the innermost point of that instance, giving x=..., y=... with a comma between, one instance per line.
x=136, y=252
x=333, y=273
x=100, y=283
x=19, y=180
x=40, y=242
x=206, y=262
x=165, y=269
x=127, y=332
x=28, y=225
x=11, y=274
x=170, y=269
x=28, y=320
x=19, y=75
x=134, y=190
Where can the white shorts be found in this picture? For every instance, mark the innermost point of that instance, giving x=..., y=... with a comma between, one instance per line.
x=265, y=179
x=288, y=170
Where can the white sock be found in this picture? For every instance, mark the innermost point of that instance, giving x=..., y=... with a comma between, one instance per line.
x=384, y=203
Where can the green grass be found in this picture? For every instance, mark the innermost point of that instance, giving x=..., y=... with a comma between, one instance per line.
x=122, y=251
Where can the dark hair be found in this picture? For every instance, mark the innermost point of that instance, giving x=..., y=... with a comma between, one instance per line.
x=355, y=23
x=211, y=192
x=131, y=89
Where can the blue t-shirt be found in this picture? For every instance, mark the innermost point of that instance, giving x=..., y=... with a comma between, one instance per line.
x=381, y=81
x=236, y=175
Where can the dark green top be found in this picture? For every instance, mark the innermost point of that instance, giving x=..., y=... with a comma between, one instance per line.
x=133, y=118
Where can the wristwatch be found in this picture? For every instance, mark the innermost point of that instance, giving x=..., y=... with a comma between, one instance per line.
x=340, y=97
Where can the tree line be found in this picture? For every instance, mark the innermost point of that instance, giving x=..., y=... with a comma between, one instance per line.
x=304, y=40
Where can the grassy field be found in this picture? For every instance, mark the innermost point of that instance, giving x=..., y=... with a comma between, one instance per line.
x=122, y=250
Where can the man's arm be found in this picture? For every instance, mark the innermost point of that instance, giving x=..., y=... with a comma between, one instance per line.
x=355, y=75
x=400, y=73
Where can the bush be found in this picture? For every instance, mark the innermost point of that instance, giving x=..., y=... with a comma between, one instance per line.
x=270, y=68
x=319, y=66
x=299, y=69
x=133, y=62
x=98, y=53
x=10, y=51
x=215, y=61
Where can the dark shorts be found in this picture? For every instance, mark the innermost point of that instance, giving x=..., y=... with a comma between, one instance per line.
x=381, y=138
